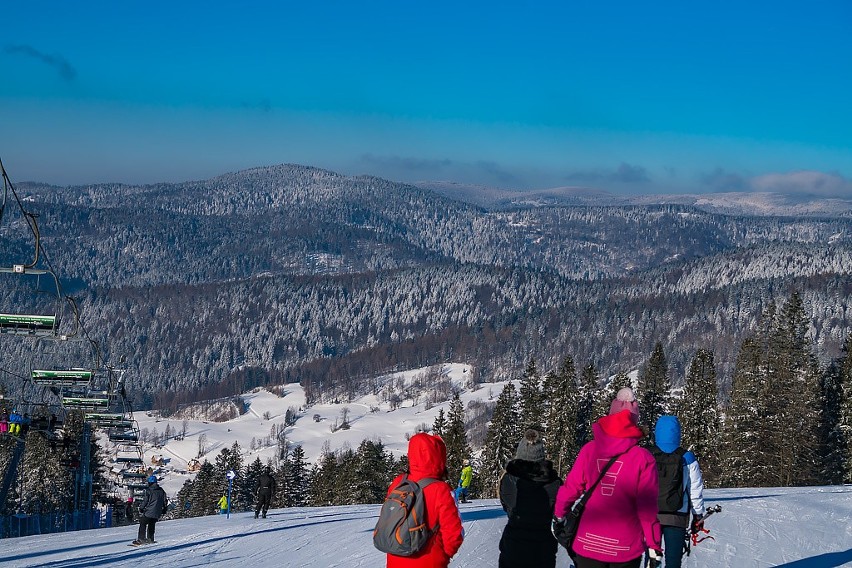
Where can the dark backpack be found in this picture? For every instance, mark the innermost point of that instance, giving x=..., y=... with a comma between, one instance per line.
x=401, y=529
x=670, y=476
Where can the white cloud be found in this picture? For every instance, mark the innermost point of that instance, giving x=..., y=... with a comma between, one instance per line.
x=804, y=182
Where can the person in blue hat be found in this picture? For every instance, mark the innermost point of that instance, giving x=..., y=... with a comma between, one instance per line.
x=681, y=488
x=152, y=507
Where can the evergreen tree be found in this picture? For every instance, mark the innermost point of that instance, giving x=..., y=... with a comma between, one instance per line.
x=346, y=481
x=845, y=422
x=698, y=413
x=372, y=472
x=297, y=482
x=323, y=480
x=742, y=435
x=654, y=389
x=203, y=495
x=586, y=406
x=531, y=398
x=45, y=484
x=833, y=444
x=230, y=459
x=560, y=438
x=183, y=498
x=792, y=395
x=502, y=439
x=455, y=438
x=440, y=423
x=248, y=485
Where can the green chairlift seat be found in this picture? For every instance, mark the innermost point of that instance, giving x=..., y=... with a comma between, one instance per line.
x=86, y=404
x=23, y=324
x=62, y=378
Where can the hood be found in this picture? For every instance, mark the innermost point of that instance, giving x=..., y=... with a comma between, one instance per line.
x=427, y=456
x=615, y=433
x=667, y=433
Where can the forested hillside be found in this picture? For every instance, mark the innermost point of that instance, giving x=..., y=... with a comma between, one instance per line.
x=299, y=274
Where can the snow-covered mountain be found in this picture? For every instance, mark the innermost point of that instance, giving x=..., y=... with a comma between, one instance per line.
x=760, y=203
x=804, y=527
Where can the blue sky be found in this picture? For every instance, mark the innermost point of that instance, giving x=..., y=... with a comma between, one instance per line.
x=632, y=97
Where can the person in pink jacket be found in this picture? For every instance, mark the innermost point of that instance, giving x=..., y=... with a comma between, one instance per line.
x=620, y=519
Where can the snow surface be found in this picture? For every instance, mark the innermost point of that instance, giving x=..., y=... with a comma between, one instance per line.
x=391, y=427
x=790, y=527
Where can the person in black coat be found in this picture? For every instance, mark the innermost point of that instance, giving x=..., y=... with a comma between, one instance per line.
x=265, y=490
x=152, y=507
x=527, y=491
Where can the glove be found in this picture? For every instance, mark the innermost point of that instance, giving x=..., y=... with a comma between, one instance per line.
x=655, y=558
x=556, y=525
x=697, y=524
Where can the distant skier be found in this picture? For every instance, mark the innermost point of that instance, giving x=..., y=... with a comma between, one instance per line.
x=15, y=423
x=527, y=491
x=681, y=488
x=465, y=480
x=265, y=490
x=128, y=509
x=223, y=504
x=153, y=507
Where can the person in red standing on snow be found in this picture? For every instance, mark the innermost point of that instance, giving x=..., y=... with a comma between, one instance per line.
x=427, y=459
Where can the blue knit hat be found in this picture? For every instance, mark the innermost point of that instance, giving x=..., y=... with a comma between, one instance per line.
x=667, y=433
x=152, y=479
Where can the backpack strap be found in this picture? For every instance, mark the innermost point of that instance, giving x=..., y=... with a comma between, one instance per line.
x=587, y=494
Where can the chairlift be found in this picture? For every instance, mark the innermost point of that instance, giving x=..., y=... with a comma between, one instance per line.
x=33, y=318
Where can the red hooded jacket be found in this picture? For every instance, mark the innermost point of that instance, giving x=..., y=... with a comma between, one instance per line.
x=427, y=457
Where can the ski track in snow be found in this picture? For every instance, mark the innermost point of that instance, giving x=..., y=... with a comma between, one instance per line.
x=807, y=527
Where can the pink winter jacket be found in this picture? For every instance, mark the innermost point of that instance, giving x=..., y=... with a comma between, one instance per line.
x=620, y=519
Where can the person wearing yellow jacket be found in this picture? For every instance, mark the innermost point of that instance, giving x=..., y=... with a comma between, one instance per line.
x=223, y=504
x=464, y=482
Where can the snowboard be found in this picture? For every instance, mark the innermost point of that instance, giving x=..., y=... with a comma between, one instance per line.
x=141, y=543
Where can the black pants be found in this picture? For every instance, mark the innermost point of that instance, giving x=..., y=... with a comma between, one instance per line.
x=583, y=562
x=264, y=497
x=146, y=528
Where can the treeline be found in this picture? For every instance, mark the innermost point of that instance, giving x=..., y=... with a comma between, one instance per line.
x=787, y=421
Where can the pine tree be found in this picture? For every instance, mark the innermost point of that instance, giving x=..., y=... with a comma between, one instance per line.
x=503, y=436
x=560, y=438
x=230, y=459
x=248, y=485
x=586, y=406
x=845, y=422
x=792, y=395
x=743, y=434
x=346, y=480
x=654, y=389
x=531, y=398
x=440, y=423
x=833, y=445
x=297, y=482
x=698, y=413
x=372, y=472
x=204, y=492
x=455, y=438
x=323, y=480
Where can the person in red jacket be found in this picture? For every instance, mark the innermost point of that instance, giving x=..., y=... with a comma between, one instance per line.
x=427, y=458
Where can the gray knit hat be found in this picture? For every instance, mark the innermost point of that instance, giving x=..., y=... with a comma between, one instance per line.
x=530, y=447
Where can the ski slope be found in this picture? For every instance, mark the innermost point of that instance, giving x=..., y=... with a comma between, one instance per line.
x=789, y=527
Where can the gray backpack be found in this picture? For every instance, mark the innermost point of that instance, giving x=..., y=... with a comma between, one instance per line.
x=401, y=529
